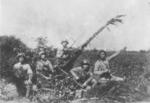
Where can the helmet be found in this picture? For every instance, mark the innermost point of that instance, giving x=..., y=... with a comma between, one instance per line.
x=20, y=55
x=85, y=62
x=41, y=53
x=65, y=41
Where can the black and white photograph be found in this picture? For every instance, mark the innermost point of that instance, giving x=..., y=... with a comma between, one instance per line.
x=74, y=51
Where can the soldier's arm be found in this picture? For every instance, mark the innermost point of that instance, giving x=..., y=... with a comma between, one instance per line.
x=51, y=66
x=15, y=70
x=115, y=54
x=38, y=67
x=73, y=72
x=29, y=72
x=87, y=81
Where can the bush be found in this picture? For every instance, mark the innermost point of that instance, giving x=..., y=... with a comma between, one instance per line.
x=8, y=45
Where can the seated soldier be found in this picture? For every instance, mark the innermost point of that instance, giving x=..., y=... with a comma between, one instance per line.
x=23, y=74
x=102, y=68
x=82, y=73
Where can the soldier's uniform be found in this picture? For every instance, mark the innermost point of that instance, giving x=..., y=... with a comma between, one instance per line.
x=80, y=74
x=44, y=69
x=63, y=55
x=23, y=74
x=23, y=70
x=102, y=72
x=101, y=69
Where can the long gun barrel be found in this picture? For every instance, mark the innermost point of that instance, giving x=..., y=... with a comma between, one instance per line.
x=111, y=21
x=93, y=36
x=69, y=65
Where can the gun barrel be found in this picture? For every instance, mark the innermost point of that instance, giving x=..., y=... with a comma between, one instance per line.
x=93, y=36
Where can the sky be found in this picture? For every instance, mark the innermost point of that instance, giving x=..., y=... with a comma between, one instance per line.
x=77, y=20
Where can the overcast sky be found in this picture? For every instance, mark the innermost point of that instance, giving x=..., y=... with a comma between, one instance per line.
x=77, y=20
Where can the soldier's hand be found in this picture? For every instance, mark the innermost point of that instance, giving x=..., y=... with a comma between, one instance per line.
x=34, y=88
x=124, y=49
x=77, y=78
x=55, y=66
x=84, y=85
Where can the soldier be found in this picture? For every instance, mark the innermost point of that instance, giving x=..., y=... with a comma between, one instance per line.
x=23, y=74
x=44, y=67
x=82, y=73
x=63, y=54
x=102, y=68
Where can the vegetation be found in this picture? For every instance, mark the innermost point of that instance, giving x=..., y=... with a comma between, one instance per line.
x=8, y=50
x=130, y=64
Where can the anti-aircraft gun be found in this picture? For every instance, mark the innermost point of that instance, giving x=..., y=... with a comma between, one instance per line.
x=63, y=84
x=69, y=64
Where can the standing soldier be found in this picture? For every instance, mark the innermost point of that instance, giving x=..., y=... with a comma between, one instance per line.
x=44, y=68
x=23, y=74
x=64, y=54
